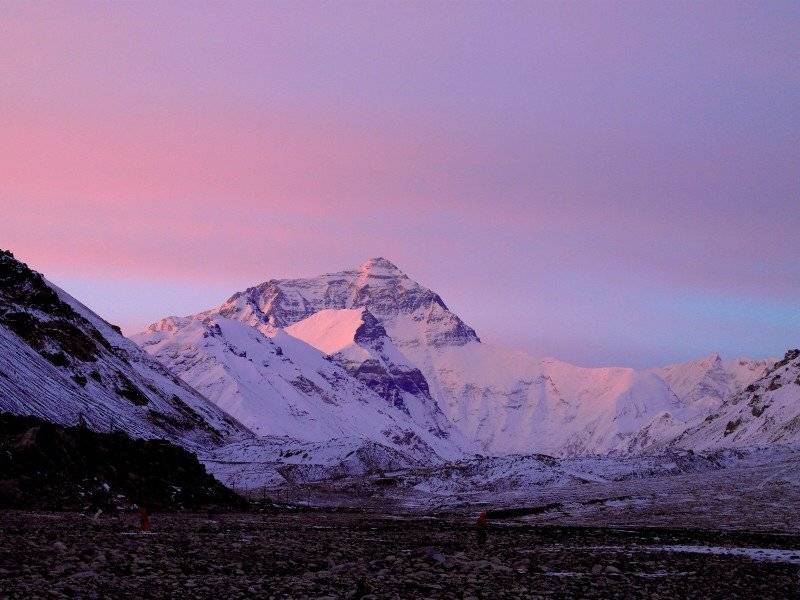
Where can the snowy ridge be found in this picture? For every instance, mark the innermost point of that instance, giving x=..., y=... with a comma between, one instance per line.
x=510, y=402
x=765, y=413
x=703, y=385
x=61, y=362
x=273, y=462
x=281, y=386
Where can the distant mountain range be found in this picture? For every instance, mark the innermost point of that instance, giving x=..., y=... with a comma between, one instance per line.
x=360, y=370
x=420, y=365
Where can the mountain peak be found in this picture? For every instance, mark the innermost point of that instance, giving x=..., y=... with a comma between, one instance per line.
x=379, y=265
x=712, y=359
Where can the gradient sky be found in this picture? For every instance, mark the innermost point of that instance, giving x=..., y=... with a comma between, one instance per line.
x=608, y=183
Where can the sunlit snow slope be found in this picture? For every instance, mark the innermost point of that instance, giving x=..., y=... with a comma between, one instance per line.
x=280, y=385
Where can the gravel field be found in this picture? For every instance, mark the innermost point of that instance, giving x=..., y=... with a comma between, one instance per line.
x=341, y=554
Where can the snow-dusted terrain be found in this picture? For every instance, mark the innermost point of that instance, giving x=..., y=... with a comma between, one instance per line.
x=765, y=412
x=400, y=340
x=365, y=373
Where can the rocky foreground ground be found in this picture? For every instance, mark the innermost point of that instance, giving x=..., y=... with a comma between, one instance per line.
x=330, y=554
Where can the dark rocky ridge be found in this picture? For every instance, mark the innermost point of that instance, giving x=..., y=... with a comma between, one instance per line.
x=47, y=466
x=58, y=338
x=389, y=380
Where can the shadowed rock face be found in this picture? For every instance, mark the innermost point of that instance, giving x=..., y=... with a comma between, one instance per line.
x=388, y=380
x=389, y=383
x=370, y=332
x=21, y=286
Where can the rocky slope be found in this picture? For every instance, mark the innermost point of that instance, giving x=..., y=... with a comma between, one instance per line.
x=703, y=385
x=61, y=362
x=766, y=412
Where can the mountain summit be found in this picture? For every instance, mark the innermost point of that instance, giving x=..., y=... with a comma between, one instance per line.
x=322, y=358
x=411, y=313
x=380, y=267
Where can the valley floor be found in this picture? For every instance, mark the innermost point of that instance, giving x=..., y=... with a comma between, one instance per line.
x=321, y=553
x=759, y=492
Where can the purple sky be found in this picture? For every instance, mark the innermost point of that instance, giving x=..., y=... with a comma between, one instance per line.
x=609, y=183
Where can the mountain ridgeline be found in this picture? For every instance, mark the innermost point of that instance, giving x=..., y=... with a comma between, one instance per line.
x=61, y=362
x=383, y=342
x=362, y=371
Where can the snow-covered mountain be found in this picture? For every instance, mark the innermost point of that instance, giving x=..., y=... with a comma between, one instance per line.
x=510, y=402
x=703, y=385
x=61, y=362
x=765, y=412
x=357, y=373
x=411, y=314
x=398, y=340
x=278, y=385
x=344, y=333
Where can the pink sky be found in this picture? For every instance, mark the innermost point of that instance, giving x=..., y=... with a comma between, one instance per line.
x=607, y=182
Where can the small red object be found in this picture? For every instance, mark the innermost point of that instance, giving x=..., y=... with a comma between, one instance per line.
x=144, y=519
x=482, y=520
